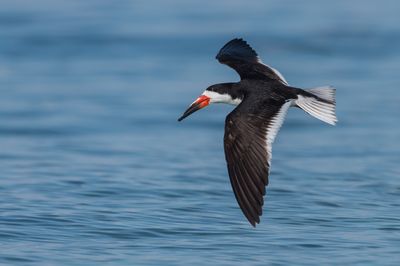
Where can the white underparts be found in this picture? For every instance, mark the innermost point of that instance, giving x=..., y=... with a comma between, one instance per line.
x=323, y=110
x=215, y=97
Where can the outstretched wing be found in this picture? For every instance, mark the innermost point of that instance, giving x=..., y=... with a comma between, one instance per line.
x=248, y=140
x=241, y=57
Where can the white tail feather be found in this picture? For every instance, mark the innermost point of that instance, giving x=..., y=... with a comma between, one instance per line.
x=322, y=109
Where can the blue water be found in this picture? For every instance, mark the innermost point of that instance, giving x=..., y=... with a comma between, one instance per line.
x=95, y=169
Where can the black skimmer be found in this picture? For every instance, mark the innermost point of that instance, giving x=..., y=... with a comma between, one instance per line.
x=263, y=98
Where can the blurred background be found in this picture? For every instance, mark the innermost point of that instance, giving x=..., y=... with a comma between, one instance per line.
x=95, y=169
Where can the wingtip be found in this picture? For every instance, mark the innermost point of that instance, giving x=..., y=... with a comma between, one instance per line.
x=254, y=223
x=239, y=40
x=237, y=48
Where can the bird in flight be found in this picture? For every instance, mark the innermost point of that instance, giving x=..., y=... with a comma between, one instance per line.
x=262, y=97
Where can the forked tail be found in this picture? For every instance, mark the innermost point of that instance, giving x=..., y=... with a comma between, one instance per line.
x=319, y=102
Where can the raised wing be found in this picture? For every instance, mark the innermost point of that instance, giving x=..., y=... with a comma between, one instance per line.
x=241, y=57
x=248, y=140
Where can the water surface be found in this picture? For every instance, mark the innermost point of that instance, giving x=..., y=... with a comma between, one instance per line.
x=95, y=169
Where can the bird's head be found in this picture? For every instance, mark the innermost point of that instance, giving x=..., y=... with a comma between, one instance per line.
x=220, y=93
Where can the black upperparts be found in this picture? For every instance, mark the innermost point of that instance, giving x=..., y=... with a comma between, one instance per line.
x=241, y=57
x=237, y=49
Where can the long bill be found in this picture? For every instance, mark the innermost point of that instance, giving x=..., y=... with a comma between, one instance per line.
x=198, y=104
